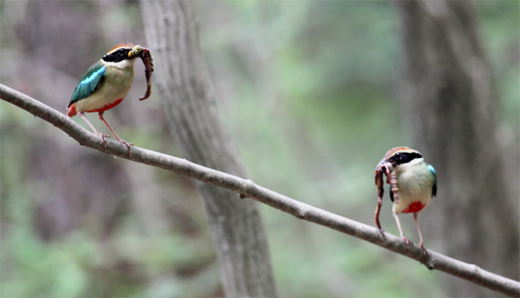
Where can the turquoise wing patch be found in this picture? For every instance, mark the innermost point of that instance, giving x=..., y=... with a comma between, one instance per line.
x=432, y=170
x=89, y=82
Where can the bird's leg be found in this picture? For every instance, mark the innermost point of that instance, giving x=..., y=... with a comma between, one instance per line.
x=421, y=243
x=102, y=135
x=128, y=145
x=396, y=216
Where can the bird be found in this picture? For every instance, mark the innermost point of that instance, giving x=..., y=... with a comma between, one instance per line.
x=104, y=85
x=413, y=183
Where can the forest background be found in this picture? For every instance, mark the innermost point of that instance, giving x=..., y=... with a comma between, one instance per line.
x=308, y=91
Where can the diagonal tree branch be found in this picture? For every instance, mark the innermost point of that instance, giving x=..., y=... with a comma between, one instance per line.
x=247, y=188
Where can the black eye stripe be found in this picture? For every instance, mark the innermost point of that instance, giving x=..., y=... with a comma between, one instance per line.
x=117, y=56
x=404, y=157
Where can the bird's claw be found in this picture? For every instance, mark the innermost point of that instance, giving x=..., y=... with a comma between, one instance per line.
x=128, y=145
x=408, y=242
x=424, y=250
x=104, y=138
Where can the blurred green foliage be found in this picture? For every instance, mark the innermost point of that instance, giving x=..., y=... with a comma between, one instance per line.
x=307, y=90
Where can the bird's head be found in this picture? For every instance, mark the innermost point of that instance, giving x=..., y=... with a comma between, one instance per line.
x=120, y=56
x=400, y=156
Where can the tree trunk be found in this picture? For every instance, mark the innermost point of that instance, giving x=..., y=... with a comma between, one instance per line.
x=183, y=83
x=450, y=102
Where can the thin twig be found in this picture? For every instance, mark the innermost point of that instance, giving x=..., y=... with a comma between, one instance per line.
x=247, y=188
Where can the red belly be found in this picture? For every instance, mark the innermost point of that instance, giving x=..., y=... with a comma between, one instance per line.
x=107, y=107
x=72, y=109
x=414, y=207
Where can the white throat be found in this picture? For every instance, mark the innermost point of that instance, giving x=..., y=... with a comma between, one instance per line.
x=412, y=163
x=121, y=64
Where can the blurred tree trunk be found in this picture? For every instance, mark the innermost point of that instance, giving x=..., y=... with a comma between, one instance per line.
x=183, y=83
x=450, y=102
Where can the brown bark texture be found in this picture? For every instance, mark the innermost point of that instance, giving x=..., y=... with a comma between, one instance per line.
x=182, y=80
x=448, y=98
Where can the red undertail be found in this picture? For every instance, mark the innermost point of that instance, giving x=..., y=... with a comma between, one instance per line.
x=72, y=109
x=414, y=207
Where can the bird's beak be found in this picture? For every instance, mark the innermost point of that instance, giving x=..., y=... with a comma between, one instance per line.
x=135, y=52
x=381, y=163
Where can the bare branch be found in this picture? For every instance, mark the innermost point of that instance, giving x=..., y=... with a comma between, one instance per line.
x=247, y=188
